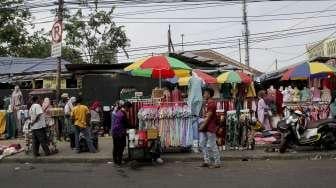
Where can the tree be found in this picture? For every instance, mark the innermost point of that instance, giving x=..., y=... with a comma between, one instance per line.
x=13, y=21
x=96, y=35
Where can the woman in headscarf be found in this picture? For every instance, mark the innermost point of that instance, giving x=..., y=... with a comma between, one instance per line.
x=96, y=116
x=263, y=111
x=69, y=129
x=51, y=127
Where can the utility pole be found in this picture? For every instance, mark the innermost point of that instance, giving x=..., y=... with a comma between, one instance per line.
x=169, y=39
x=170, y=42
x=246, y=34
x=182, y=36
x=59, y=62
x=276, y=64
x=240, y=57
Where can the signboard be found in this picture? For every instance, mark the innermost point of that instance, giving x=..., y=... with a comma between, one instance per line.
x=56, y=50
x=56, y=39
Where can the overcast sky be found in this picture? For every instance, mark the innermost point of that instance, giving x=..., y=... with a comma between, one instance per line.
x=263, y=54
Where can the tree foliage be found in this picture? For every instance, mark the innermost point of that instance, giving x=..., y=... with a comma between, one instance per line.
x=96, y=35
x=14, y=19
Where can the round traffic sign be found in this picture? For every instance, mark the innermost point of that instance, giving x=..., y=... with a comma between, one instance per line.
x=56, y=32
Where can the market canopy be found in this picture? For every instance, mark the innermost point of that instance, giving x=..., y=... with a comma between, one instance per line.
x=308, y=70
x=206, y=78
x=234, y=77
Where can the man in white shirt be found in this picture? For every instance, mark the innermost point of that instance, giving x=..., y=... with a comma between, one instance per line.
x=38, y=127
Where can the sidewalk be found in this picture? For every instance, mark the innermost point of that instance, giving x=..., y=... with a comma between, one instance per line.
x=66, y=155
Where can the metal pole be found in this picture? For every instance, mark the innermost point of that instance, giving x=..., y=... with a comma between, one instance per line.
x=169, y=45
x=246, y=34
x=182, y=35
x=240, y=56
x=276, y=64
x=59, y=62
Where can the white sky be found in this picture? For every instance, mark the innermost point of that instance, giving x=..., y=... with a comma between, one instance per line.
x=148, y=34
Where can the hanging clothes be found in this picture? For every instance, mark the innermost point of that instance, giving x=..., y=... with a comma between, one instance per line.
x=251, y=91
x=195, y=97
x=226, y=91
x=2, y=122
x=176, y=95
x=279, y=102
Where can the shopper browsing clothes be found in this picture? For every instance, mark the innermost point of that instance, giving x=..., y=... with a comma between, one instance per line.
x=96, y=116
x=208, y=131
x=69, y=128
x=38, y=127
x=263, y=111
x=119, y=126
x=81, y=117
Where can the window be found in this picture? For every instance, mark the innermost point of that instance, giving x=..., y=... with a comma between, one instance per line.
x=38, y=84
x=71, y=83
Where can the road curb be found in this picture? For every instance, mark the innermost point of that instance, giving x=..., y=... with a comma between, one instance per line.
x=180, y=158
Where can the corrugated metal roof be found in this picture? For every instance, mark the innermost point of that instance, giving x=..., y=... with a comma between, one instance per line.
x=15, y=65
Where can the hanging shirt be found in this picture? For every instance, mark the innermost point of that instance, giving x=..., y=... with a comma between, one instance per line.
x=195, y=97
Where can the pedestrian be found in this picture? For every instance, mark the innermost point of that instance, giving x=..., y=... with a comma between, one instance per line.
x=263, y=111
x=61, y=120
x=119, y=126
x=96, y=116
x=81, y=117
x=208, y=129
x=69, y=128
x=51, y=129
x=38, y=127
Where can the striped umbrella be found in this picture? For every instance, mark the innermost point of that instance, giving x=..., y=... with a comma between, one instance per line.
x=308, y=70
x=234, y=77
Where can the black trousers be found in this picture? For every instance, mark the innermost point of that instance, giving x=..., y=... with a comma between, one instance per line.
x=40, y=138
x=72, y=140
x=119, y=143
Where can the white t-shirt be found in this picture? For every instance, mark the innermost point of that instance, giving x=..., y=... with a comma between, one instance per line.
x=34, y=111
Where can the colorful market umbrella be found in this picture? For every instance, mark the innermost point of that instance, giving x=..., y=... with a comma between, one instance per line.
x=203, y=76
x=234, y=77
x=308, y=70
x=159, y=67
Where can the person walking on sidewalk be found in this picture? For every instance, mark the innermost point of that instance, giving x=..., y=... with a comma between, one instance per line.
x=119, y=126
x=208, y=131
x=81, y=117
x=38, y=127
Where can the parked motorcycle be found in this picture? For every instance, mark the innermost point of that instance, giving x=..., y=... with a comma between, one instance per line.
x=295, y=132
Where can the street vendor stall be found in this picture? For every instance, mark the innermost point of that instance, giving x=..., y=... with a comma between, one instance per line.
x=315, y=97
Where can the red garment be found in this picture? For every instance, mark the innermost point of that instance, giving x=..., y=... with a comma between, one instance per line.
x=279, y=102
x=326, y=83
x=176, y=95
x=212, y=124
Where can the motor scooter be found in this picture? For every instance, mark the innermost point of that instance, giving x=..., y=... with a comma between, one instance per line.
x=295, y=132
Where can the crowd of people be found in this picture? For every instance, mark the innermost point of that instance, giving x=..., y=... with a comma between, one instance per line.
x=79, y=125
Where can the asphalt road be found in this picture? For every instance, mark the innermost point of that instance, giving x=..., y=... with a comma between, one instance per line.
x=259, y=174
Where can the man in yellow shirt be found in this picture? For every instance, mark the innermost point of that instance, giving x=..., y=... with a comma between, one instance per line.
x=81, y=116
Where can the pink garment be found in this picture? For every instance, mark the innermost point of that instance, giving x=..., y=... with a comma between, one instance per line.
x=316, y=93
x=262, y=114
x=176, y=95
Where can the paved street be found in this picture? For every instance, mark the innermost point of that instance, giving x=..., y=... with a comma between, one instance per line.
x=259, y=174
